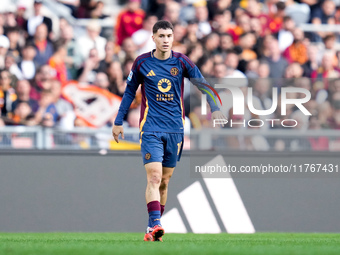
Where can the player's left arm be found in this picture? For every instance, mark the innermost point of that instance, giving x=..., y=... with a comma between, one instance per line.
x=199, y=81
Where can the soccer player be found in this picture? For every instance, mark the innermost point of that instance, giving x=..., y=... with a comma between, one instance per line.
x=161, y=73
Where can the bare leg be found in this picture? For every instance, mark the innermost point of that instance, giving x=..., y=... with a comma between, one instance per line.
x=163, y=188
x=154, y=177
x=152, y=197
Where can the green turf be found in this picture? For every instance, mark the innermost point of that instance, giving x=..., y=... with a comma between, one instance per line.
x=131, y=243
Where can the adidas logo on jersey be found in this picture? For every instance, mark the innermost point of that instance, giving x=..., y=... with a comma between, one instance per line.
x=151, y=73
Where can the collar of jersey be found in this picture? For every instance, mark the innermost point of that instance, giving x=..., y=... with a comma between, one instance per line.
x=152, y=55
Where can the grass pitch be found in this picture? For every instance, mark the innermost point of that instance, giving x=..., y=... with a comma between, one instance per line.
x=132, y=243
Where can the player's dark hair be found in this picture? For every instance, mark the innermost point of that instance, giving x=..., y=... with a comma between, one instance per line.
x=162, y=24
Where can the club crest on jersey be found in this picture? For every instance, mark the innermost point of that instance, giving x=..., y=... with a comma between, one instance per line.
x=164, y=85
x=147, y=156
x=174, y=71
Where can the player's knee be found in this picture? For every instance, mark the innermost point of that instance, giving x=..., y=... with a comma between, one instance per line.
x=155, y=179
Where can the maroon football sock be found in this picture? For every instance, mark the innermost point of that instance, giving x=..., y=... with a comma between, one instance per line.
x=154, y=210
x=154, y=206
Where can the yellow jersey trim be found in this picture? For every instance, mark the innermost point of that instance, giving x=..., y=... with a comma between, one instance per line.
x=182, y=113
x=145, y=114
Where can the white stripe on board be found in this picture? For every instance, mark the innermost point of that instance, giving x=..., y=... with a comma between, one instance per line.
x=173, y=223
x=197, y=210
x=228, y=202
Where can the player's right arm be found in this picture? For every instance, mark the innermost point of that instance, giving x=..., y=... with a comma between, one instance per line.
x=133, y=82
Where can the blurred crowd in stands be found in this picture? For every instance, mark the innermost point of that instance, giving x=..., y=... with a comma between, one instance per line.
x=257, y=44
